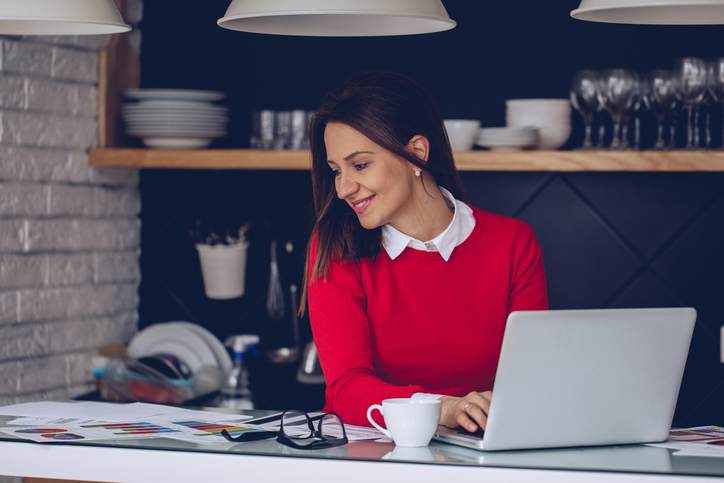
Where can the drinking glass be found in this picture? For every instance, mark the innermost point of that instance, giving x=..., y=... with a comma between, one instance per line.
x=637, y=99
x=673, y=123
x=662, y=85
x=692, y=74
x=716, y=83
x=643, y=104
x=706, y=104
x=616, y=95
x=584, y=98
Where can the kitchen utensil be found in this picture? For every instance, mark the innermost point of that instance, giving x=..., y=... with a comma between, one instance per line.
x=310, y=371
x=223, y=268
x=286, y=355
x=274, y=296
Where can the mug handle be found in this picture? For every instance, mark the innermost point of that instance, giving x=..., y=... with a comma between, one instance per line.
x=369, y=418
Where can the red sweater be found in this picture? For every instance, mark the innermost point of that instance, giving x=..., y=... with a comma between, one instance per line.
x=391, y=328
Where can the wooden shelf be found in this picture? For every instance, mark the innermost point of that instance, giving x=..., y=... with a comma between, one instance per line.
x=465, y=160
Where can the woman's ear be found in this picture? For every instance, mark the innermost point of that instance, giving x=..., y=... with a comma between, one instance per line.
x=419, y=146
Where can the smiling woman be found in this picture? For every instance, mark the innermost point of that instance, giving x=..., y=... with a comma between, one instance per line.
x=408, y=287
x=382, y=187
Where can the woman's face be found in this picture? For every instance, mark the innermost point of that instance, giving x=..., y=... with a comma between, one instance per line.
x=377, y=184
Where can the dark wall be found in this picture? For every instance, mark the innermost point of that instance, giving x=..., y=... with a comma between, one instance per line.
x=609, y=239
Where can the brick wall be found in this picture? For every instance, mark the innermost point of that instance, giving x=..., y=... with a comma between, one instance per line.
x=69, y=233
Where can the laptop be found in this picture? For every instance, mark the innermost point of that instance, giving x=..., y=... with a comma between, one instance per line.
x=571, y=378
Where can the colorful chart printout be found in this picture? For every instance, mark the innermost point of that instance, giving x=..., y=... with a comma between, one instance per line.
x=701, y=434
x=122, y=429
x=214, y=429
x=50, y=433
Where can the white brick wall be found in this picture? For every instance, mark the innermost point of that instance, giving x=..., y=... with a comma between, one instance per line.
x=69, y=234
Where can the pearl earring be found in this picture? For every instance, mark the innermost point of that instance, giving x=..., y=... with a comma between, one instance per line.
x=417, y=173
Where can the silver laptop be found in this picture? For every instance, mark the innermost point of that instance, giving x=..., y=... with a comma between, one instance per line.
x=584, y=378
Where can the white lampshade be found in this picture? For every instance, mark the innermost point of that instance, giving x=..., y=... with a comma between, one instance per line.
x=337, y=18
x=60, y=17
x=653, y=12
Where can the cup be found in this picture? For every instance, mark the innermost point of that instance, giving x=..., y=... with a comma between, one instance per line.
x=410, y=422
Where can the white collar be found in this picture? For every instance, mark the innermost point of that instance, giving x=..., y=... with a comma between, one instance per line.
x=461, y=226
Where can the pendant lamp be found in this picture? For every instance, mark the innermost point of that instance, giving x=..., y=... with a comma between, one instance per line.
x=60, y=17
x=653, y=12
x=337, y=18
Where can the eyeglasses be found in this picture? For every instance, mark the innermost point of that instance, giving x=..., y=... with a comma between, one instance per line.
x=297, y=430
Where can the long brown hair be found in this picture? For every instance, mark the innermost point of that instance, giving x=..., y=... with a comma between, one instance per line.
x=389, y=109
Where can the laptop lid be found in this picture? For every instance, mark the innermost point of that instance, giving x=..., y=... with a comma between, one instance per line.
x=585, y=378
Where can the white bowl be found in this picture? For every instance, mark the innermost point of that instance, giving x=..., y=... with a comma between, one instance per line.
x=461, y=133
x=551, y=116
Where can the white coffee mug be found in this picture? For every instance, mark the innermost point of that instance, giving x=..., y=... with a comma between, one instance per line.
x=410, y=422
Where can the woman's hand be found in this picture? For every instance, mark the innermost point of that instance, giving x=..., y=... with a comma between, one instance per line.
x=469, y=412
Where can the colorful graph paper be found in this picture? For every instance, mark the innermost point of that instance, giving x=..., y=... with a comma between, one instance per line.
x=214, y=429
x=701, y=434
x=121, y=429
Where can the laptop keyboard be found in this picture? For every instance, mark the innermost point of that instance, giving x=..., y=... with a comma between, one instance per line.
x=477, y=434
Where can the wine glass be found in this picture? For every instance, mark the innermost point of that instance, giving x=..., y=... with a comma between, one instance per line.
x=616, y=95
x=663, y=86
x=706, y=104
x=716, y=82
x=584, y=98
x=636, y=101
x=643, y=104
x=692, y=74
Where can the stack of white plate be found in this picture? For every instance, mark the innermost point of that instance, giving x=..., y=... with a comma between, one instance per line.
x=507, y=138
x=198, y=348
x=175, y=118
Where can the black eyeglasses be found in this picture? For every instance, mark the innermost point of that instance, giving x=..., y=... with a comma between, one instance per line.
x=298, y=431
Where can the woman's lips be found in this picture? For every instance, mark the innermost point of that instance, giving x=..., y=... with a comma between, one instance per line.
x=360, y=206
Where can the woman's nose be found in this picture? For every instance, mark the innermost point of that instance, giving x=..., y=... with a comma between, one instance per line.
x=346, y=185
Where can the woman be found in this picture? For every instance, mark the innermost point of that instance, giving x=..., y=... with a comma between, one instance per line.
x=408, y=288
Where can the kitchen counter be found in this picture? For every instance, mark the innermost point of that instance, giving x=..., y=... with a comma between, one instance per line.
x=159, y=460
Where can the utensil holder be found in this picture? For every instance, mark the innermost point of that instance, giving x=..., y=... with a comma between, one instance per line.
x=223, y=268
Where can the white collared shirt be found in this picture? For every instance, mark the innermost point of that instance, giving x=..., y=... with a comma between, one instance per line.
x=461, y=226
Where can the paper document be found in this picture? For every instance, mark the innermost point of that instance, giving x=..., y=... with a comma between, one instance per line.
x=65, y=422
x=113, y=412
x=696, y=441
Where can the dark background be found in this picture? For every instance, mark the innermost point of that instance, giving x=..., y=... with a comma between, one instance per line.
x=609, y=239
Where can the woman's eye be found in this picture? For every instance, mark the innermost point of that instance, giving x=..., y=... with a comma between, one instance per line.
x=360, y=167
x=335, y=172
